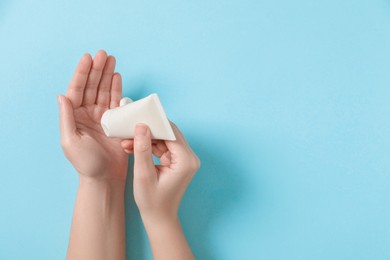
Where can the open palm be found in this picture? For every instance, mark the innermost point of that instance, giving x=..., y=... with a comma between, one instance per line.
x=93, y=89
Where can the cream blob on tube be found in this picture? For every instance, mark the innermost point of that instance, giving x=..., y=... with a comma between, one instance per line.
x=121, y=121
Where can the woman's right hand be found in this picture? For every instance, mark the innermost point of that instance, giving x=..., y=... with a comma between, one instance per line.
x=158, y=189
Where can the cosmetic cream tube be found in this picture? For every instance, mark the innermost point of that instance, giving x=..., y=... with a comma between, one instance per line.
x=121, y=121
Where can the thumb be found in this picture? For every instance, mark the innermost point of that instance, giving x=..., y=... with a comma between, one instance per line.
x=143, y=161
x=67, y=123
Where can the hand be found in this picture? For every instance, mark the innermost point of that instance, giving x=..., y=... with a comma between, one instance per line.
x=93, y=89
x=158, y=189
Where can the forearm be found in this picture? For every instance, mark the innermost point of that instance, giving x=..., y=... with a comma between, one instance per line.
x=167, y=239
x=98, y=225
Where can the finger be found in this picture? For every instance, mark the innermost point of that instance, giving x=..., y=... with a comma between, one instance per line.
x=157, y=152
x=165, y=159
x=129, y=151
x=116, y=90
x=182, y=154
x=77, y=84
x=162, y=146
x=103, y=94
x=95, y=74
x=179, y=135
x=127, y=144
x=67, y=122
x=180, y=145
x=143, y=161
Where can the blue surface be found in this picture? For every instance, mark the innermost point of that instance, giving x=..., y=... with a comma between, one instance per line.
x=287, y=104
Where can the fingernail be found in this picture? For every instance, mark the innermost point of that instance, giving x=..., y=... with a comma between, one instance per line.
x=59, y=99
x=141, y=129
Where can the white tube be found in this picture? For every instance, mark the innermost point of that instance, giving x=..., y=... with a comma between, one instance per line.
x=121, y=121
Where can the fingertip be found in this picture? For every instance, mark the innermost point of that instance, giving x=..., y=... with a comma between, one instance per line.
x=117, y=82
x=60, y=99
x=141, y=129
x=101, y=52
x=86, y=58
x=117, y=75
x=127, y=143
x=142, y=138
x=129, y=151
x=63, y=98
x=142, y=132
x=87, y=55
x=110, y=64
x=112, y=58
x=178, y=134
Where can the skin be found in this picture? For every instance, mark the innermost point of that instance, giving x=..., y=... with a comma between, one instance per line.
x=158, y=189
x=98, y=225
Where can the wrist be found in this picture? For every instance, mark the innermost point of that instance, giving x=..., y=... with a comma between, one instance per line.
x=166, y=220
x=103, y=177
x=104, y=186
x=166, y=237
x=103, y=172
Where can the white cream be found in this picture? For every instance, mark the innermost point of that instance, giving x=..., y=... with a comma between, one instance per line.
x=121, y=121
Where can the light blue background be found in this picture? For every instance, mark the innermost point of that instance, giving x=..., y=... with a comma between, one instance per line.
x=287, y=104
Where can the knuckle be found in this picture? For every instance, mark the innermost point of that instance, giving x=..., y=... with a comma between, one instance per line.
x=141, y=144
x=195, y=163
x=92, y=84
x=141, y=147
x=78, y=88
x=174, y=126
x=198, y=163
